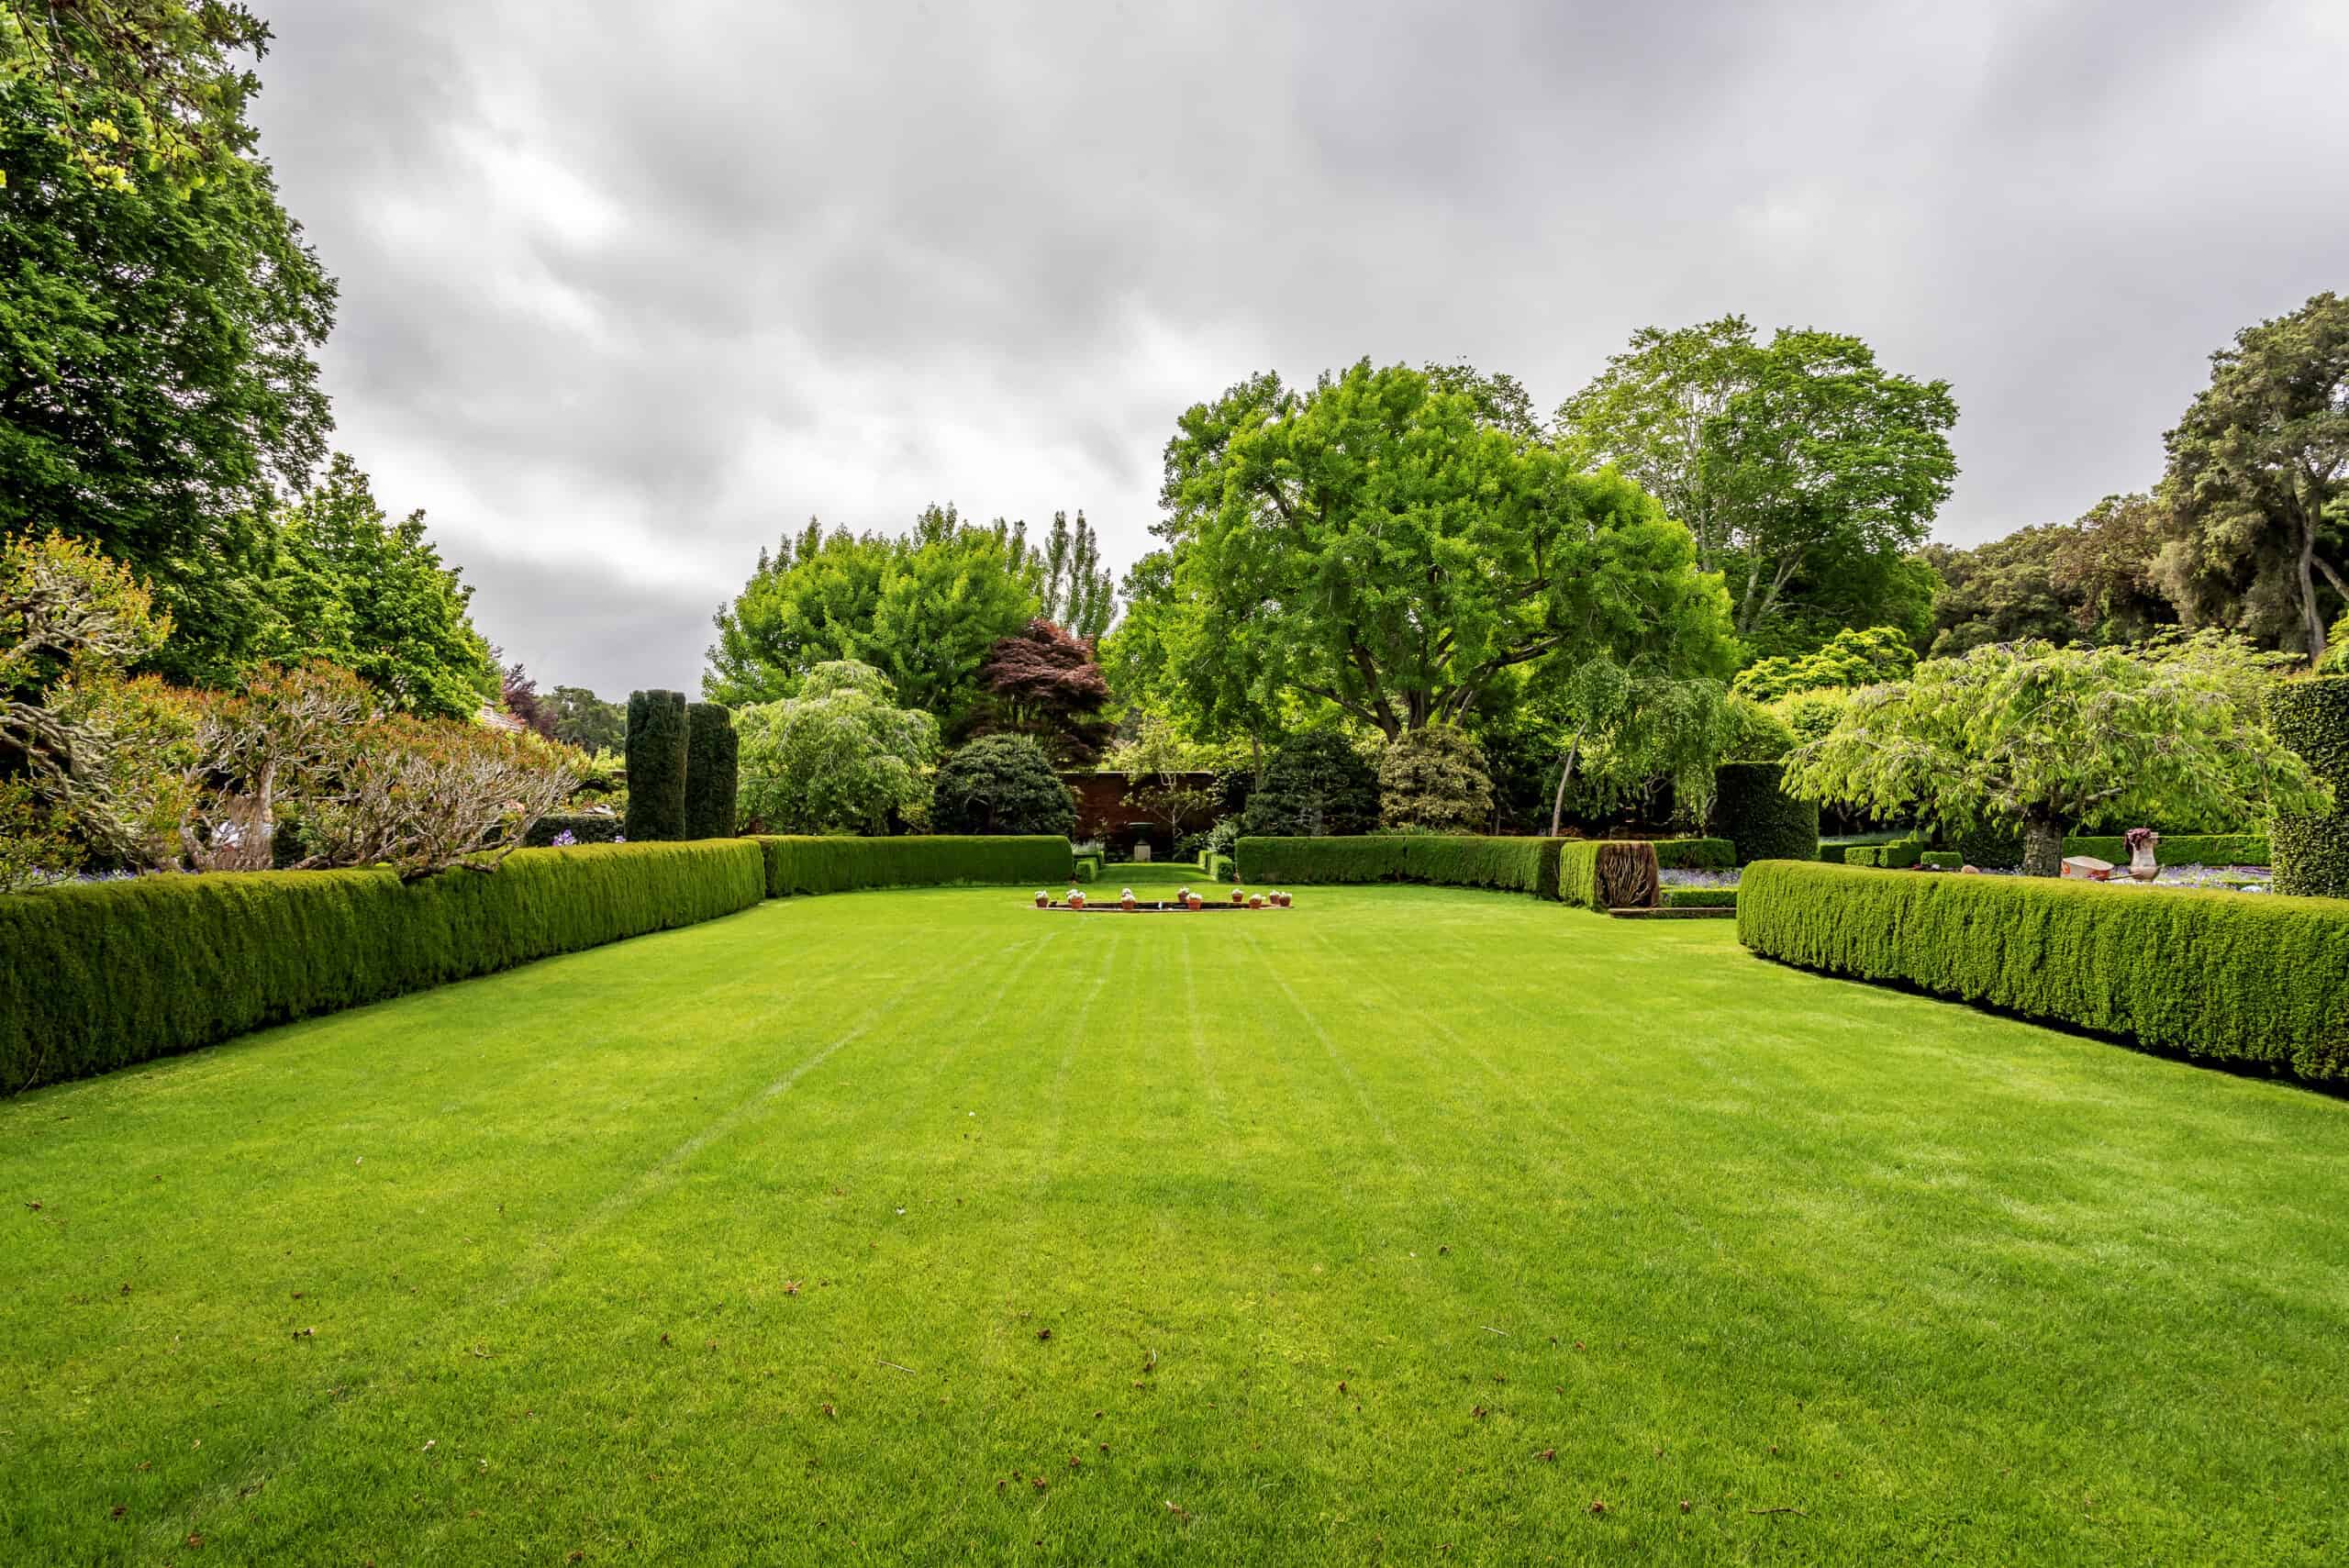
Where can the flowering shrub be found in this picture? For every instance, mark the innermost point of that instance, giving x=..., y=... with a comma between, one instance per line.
x=567, y=839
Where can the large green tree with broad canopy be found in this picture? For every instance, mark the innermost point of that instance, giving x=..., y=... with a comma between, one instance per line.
x=1387, y=544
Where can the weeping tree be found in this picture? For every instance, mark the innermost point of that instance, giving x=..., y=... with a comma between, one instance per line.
x=1626, y=730
x=2043, y=737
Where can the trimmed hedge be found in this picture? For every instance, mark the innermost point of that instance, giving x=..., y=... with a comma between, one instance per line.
x=584, y=827
x=2312, y=851
x=656, y=766
x=2230, y=976
x=104, y=974
x=1582, y=877
x=1220, y=869
x=1942, y=859
x=843, y=865
x=1897, y=855
x=1763, y=821
x=1694, y=854
x=1700, y=897
x=2179, y=849
x=713, y=778
x=1445, y=860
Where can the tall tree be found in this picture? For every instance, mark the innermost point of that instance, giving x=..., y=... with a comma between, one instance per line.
x=159, y=386
x=1804, y=470
x=1077, y=591
x=1377, y=545
x=2094, y=580
x=1044, y=683
x=925, y=610
x=2258, y=482
x=371, y=595
x=586, y=720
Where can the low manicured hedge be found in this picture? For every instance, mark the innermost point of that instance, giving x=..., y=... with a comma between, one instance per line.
x=1220, y=869
x=1895, y=856
x=1445, y=860
x=104, y=974
x=2179, y=849
x=1694, y=854
x=584, y=827
x=1700, y=897
x=1588, y=866
x=843, y=864
x=2230, y=976
x=1942, y=859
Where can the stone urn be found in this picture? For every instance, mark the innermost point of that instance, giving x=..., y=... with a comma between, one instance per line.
x=1044, y=901
x=2144, y=863
x=1191, y=900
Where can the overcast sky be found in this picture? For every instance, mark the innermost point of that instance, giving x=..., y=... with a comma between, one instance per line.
x=628, y=289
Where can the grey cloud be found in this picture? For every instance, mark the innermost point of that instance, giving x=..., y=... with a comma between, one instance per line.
x=627, y=291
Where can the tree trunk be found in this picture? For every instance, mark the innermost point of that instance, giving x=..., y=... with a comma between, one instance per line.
x=2043, y=846
x=1558, y=806
x=2312, y=618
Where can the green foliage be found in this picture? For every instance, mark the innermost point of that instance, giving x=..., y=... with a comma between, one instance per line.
x=1221, y=867
x=1378, y=546
x=1897, y=855
x=1627, y=730
x=2097, y=580
x=1804, y=471
x=1448, y=859
x=2312, y=848
x=1758, y=734
x=1434, y=778
x=1315, y=784
x=800, y=865
x=1851, y=658
x=1694, y=854
x=586, y=720
x=1595, y=873
x=2045, y=737
x=656, y=766
x=584, y=827
x=1078, y=591
x=2223, y=975
x=1753, y=810
x=99, y=975
x=1001, y=783
x=371, y=596
x=839, y=757
x=2258, y=482
x=160, y=388
x=1941, y=859
x=712, y=770
x=1700, y=897
x=2336, y=648
x=925, y=610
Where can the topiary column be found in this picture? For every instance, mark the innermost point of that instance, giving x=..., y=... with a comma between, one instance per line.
x=2311, y=851
x=1763, y=821
x=711, y=777
x=656, y=766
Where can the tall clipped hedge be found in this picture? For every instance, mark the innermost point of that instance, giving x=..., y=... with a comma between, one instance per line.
x=656, y=766
x=1445, y=860
x=104, y=974
x=1763, y=821
x=2311, y=851
x=712, y=774
x=2226, y=975
x=796, y=866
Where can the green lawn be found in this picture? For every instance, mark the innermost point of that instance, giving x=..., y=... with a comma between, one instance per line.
x=1401, y=1225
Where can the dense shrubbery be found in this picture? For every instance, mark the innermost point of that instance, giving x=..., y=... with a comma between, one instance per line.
x=796, y=866
x=1434, y=778
x=1700, y=897
x=1449, y=859
x=104, y=974
x=1315, y=785
x=712, y=752
x=1001, y=783
x=584, y=827
x=2312, y=849
x=2216, y=975
x=1762, y=819
x=1694, y=854
x=1895, y=856
x=656, y=766
x=1608, y=873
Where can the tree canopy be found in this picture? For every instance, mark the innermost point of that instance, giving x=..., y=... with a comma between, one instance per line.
x=839, y=757
x=2046, y=737
x=1377, y=545
x=1850, y=657
x=2258, y=482
x=1805, y=472
x=1044, y=682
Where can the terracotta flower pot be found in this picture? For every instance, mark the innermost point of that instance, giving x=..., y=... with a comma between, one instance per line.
x=1076, y=900
x=1126, y=899
x=1044, y=901
x=1256, y=902
x=1192, y=899
x=1238, y=896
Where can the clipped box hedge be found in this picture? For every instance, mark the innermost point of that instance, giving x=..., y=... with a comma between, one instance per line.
x=1763, y=821
x=1694, y=854
x=796, y=866
x=1586, y=866
x=2230, y=976
x=1443, y=860
x=2312, y=849
x=584, y=827
x=1700, y=897
x=1895, y=856
x=1219, y=868
x=100, y=976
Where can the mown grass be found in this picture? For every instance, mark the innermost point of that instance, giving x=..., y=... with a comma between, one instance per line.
x=1408, y=1224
